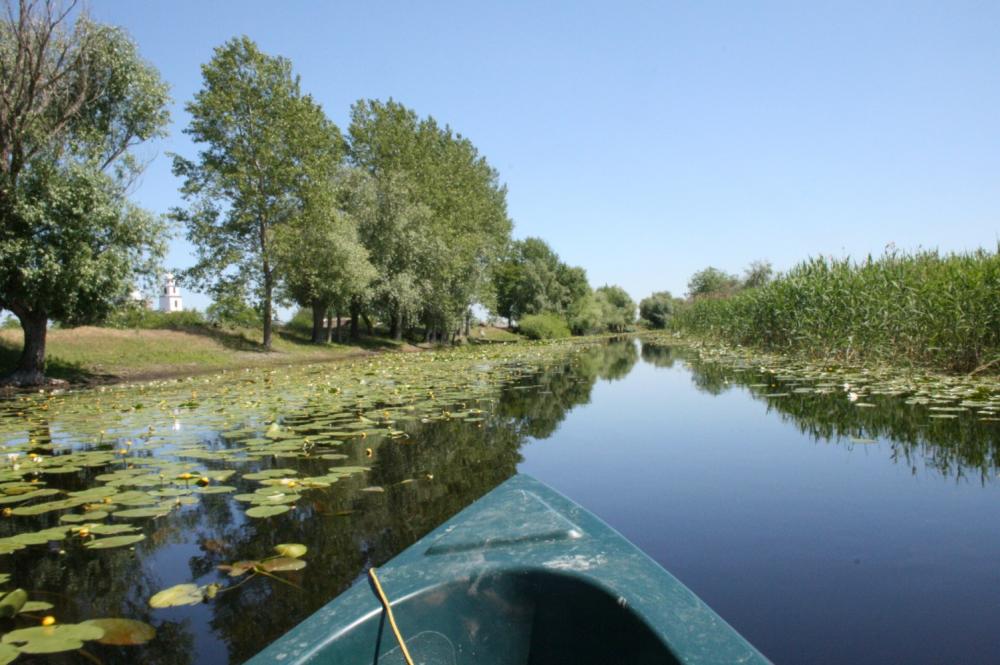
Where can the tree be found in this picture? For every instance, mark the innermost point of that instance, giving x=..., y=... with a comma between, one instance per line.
x=434, y=189
x=712, y=282
x=757, y=274
x=74, y=100
x=617, y=307
x=261, y=137
x=657, y=308
x=319, y=255
x=530, y=279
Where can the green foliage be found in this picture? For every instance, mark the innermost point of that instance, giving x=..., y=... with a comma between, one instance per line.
x=230, y=309
x=141, y=318
x=657, y=309
x=301, y=322
x=757, y=274
x=617, y=308
x=586, y=316
x=544, y=326
x=318, y=253
x=712, y=282
x=925, y=307
x=440, y=215
x=531, y=279
x=71, y=244
x=262, y=141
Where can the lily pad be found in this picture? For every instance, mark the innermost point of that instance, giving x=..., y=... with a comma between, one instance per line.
x=281, y=564
x=267, y=511
x=35, y=606
x=8, y=654
x=291, y=550
x=114, y=541
x=12, y=603
x=122, y=632
x=52, y=639
x=177, y=595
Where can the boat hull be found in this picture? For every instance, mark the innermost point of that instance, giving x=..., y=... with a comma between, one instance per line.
x=521, y=576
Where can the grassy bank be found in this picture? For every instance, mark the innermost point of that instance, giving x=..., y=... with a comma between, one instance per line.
x=107, y=354
x=925, y=308
x=90, y=354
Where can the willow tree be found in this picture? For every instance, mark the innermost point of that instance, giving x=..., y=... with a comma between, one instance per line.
x=257, y=131
x=75, y=99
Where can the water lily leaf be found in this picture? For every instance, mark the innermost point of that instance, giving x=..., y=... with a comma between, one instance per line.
x=136, y=513
x=52, y=639
x=122, y=632
x=177, y=595
x=215, y=489
x=114, y=541
x=282, y=563
x=238, y=568
x=35, y=606
x=12, y=603
x=92, y=516
x=111, y=529
x=291, y=550
x=41, y=508
x=35, y=494
x=270, y=473
x=8, y=654
x=267, y=511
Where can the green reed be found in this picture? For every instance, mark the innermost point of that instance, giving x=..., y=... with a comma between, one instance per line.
x=922, y=308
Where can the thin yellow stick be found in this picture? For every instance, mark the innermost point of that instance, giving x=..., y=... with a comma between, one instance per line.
x=388, y=611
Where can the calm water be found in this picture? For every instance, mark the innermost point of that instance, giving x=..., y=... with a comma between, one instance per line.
x=825, y=533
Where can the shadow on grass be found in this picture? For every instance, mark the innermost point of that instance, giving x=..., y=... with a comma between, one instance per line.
x=234, y=340
x=55, y=367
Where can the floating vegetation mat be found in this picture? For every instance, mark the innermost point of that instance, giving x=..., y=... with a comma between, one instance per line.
x=134, y=500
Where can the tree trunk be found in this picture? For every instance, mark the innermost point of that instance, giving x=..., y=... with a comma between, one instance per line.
x=369, y=325
x=30, y=369
x=468, y=322
x=397, y=326
x=318, y=310
x=355, y=315
x=394, y=323
x=329, y=325
x=268, y=316
x=340, y=333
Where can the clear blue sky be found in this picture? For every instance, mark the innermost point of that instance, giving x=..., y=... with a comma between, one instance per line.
x=645, y=141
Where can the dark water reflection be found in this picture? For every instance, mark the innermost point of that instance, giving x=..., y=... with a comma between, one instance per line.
x=824, y=532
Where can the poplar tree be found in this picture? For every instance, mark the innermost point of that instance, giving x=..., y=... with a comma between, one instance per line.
x=260, y=138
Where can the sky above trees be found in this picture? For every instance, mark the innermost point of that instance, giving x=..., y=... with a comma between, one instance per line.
x=644, y=141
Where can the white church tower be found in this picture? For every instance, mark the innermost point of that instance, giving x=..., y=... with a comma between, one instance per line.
x=170, y=298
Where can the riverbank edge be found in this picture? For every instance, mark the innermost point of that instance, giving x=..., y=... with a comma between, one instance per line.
x=711, y=346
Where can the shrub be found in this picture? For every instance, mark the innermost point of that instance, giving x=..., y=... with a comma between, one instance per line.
x=657, y=309
x=132, y=316
x=544, y=326
x=301, y=323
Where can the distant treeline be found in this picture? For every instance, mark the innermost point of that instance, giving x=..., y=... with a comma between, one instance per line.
x=397, y=220
x=926, y=308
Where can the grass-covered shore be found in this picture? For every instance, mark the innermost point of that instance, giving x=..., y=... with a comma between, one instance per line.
x=92, y=354
x=936, y=310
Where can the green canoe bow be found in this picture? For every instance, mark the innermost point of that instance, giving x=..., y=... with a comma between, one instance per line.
x=522, y=576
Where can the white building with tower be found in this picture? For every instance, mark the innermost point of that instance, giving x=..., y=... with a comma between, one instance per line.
x=170, y=297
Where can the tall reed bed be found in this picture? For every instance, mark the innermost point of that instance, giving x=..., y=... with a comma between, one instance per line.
x=924, y=308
